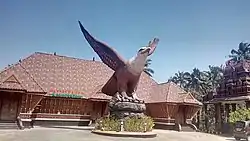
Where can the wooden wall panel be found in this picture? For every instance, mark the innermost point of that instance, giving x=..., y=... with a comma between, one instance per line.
x=69, y=106
x=191, y=111
x=172, y=110
x=179, y=117
x=23, y=104
x=162, y=110
x=34, y=101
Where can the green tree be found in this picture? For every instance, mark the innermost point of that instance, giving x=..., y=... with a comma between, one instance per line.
x=180, y=78
x=147, y=69
x=239, y=115
x=243, y=52
x=214, y=76
x=196, y=83
x=199, y=83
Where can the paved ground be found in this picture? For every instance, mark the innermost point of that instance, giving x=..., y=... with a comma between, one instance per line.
x=59, y=134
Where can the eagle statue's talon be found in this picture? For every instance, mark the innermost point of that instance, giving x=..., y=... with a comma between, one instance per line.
x=125, y=97
x=123, y=100
x=136, y=99
x=117, y=96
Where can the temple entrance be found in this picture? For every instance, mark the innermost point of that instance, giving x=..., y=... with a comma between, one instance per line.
x=9, y=106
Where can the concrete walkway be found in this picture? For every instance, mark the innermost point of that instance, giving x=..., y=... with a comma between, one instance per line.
x=84, y=134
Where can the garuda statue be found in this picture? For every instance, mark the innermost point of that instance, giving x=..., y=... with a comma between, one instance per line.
x=123, y=83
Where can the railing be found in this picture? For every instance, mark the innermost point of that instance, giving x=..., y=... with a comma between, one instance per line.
x=52, y=117
x=165, y=121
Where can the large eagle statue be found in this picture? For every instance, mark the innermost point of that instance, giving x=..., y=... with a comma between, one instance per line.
x=123, y=83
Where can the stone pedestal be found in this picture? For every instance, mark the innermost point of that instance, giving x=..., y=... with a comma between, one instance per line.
x=122, y=109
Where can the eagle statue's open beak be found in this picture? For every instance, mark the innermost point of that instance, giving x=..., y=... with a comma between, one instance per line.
x=152, y=45
x=147, y=49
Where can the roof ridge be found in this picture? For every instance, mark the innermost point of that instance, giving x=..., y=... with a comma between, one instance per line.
x=9, y=67
x=190, y=94
x=168, y=91
x=193, y=98
x=167, y=82
x=185, y=97
x=69, y=57
x=162, y=83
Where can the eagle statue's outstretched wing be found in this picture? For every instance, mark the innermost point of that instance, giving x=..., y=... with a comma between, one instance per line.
x=109, y=56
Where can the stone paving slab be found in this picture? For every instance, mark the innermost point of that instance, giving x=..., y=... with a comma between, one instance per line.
x=60, y=134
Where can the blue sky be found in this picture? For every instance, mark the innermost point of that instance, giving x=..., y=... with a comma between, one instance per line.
x=192, y=34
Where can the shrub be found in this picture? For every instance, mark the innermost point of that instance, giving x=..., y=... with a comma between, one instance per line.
x=108, y=124
x=143, y=124
x=134, y=124
x=239, y=115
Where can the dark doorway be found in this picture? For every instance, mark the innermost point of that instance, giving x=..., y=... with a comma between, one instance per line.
x=9, y=106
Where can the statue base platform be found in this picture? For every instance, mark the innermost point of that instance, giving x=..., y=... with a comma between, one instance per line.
x=126, y=134
x=121, y=109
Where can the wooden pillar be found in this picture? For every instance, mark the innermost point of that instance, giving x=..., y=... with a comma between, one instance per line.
x=184, y=115
x=206, y=118
x=247, y=104
x=233, y=107
x=218, y=117
x=227, y=110
x=104, y=108
x=19, y=104
x=106, y=111
x=198, y=118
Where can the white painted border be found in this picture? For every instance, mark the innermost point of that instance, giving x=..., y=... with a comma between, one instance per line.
x=58, y=119
x=60, y=114
x=26, y=120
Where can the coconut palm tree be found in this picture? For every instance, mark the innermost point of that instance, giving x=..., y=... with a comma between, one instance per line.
x=147, y=69
x=196, y=83
x=199, y=83
x=214, y=76
x=180, y=78
x=243, y=52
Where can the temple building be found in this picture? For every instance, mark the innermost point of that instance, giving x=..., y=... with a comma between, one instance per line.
x=233, y=92
x=49, y=89
x=175, y=107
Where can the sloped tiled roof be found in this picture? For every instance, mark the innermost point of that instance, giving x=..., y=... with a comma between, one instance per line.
x=66, y=73
x=42, y=72
x=170, y=92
